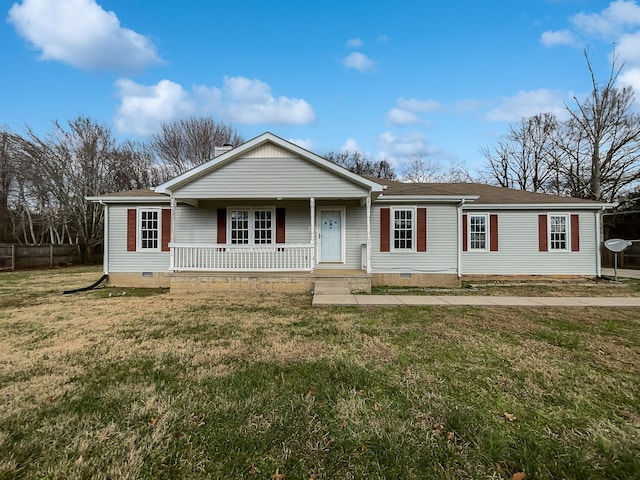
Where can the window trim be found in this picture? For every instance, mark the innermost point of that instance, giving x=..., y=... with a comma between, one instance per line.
x=252, y=233
x=392, y=223
x=487, y=231
x=139, y=247
x=567, y=233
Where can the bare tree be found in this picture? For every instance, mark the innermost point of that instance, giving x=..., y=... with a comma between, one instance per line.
x=595, y=154
x=8, y=167
x=421, y=170
x=60, y=170
x=522, y=157
x=610, y=134
x=184, y=144
x=356, y=163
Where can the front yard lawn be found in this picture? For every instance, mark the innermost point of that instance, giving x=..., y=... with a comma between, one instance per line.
x=263, y=386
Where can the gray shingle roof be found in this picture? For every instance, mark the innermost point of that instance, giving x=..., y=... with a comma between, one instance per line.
x=489, y=194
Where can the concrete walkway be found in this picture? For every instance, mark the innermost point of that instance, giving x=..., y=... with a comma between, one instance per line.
x=321, y=300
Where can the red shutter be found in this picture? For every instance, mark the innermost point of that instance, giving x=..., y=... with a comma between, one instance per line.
x=222, y=225
x=385, y=226
x=280, y=225
x=465, y=234
x=166, y=229
x=132, y=227
x=422, y=230
x=542, y=233
x=575, y=233
x=493, y=233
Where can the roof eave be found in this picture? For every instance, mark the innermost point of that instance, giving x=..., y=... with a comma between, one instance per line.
x=427, y=198
x=126, y=199
x=538, y=206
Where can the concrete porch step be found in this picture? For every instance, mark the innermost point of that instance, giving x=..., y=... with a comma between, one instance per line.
x=332, y=286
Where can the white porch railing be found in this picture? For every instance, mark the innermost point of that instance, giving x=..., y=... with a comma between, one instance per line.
x=281, y=257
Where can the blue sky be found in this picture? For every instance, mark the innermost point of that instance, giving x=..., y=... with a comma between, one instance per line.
x=390, y=79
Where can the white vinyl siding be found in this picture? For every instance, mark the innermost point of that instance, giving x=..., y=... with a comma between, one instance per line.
x=441, y=255
x=519, y=249
x=253, y=178
x=120, y=260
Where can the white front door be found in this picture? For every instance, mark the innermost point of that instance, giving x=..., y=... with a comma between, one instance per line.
x=331, y=236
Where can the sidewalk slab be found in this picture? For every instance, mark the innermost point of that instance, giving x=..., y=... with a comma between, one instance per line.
x=513, y=301
x=326, y=300
x=416, y=300
x=466, y=300
x=377, y=300
x=560, y=301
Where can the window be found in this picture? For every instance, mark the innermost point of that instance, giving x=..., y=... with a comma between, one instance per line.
x=239, y=227
x=149, y=229
x=262, y=226
x=251, y=226
x=478, y=232
x=558, y=239
x=403, y=228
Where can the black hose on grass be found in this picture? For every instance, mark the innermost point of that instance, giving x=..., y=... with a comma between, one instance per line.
x=90, y=287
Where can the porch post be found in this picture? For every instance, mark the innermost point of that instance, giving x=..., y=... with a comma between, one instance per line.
x=368, y=202
x=172, y=237
x=312, y=209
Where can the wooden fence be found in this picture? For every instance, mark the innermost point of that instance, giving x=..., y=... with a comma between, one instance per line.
x=16, y=256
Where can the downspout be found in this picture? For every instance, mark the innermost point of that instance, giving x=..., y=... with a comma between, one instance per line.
x=368, y=202
x=459, y=240
x=105, y=241
x=312, y=214
x=599, y=242
x=172, y=235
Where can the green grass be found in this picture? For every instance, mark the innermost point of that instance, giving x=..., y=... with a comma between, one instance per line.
x=220, y=386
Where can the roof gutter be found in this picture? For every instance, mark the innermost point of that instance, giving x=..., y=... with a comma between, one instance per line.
x=427, y=198
x=538, y=206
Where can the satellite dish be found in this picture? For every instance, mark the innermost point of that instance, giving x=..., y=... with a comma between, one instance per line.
x=617, y=244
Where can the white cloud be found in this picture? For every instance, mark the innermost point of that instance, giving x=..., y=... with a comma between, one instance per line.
x=82, y=34
x=419, y=106
x=305, y=143
x=630, y=78
x=397, y=116
x=354, y=42
x=382, y=38
x=249, y=101
x=358, y=61
x=612, y=21
x=350, y=146
x=558, y=37
x=526, y=104
x=239, y=101
x=144, y=108
x=628, y=48
x=404, y=145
